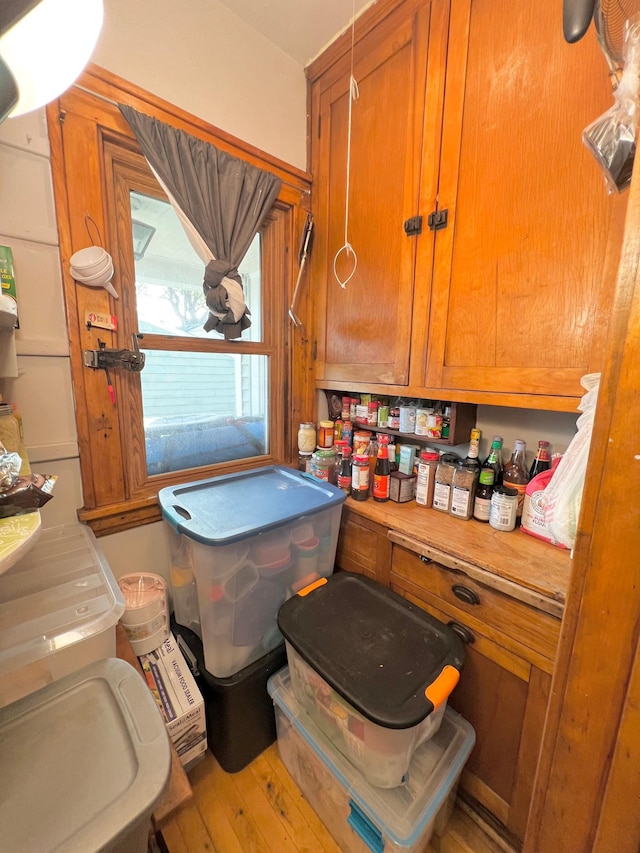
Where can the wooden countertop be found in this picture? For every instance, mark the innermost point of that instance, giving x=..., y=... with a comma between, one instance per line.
x=515, y=558
x=179, y=792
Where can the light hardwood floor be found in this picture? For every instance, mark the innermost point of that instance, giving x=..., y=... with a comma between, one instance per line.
x=261, y=810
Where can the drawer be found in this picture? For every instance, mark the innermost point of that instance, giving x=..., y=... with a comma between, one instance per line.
x=527, y=626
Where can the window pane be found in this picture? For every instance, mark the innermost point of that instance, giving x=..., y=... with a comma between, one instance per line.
x=203, y=408
x=169, y=275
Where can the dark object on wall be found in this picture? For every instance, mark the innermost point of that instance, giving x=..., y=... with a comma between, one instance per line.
x=576, y=17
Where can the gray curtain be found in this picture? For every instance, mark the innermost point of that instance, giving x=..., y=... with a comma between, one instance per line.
x=225, y=200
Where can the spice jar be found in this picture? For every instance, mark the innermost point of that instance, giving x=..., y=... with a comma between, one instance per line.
x=361, y=440
x=427, y=467
x=360, y=477
x=463, y=488
x=504, y=508
x=394, y=418
x=325, y=437
x=304, y=461
x=444, y=479
x=306, y=438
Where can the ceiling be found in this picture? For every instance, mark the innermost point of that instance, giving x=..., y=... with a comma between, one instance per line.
x=300, y=28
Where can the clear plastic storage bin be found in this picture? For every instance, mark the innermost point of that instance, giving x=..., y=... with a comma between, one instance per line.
x=251, y=540
x=59, y=606
x=85, y=760
x=372, y=670
x=362, y=817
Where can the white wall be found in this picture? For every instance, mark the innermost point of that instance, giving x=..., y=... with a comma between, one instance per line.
x=201, y=57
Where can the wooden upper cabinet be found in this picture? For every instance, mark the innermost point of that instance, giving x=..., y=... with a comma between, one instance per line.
x=524, y=273
x=366, y=328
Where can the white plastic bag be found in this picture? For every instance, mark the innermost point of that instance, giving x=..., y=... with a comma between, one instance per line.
x=563, y=496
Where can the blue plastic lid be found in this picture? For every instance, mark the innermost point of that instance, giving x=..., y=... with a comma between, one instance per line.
x=224, y=509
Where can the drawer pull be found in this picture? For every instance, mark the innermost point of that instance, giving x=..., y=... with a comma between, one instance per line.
x=464, y=633
x=425, y=559
x=465, y=594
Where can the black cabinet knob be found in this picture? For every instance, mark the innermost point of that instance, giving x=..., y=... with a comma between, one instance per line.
x=465, y=594
x=464, y=633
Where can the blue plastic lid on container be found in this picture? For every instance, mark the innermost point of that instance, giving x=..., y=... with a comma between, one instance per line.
x=224, y=509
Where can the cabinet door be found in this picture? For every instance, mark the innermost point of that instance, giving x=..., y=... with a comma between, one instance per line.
x=524, y=272
x=363, y=547
x=366, y=328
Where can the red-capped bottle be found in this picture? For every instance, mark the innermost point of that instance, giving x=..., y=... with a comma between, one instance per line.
x=381, y=474
x=542, y=462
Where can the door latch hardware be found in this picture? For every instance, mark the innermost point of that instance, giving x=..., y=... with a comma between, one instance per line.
x=437, y=219
x=119, y=359
x=413, y=226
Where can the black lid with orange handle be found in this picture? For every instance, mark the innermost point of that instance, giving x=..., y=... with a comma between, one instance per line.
x=388, y=658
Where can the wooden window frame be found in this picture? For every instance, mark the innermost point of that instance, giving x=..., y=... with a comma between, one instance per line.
x=91, y=143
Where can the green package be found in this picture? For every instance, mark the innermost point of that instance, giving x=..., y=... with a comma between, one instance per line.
x=7, y=276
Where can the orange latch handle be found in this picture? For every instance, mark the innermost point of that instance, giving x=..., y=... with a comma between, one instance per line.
x=307, y=589
x=440, y=689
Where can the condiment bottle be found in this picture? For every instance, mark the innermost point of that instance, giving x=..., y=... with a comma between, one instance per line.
x=542, y=462
x=381, y=474
x=360, y=477
x=484, y=490
x=426, y=482
x=515, y=474
x=345, y=471
x=326, y=434
x=494, y=459
x=474, y=448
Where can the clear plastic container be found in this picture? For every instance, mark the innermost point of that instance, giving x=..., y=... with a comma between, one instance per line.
x=59, y=606
x=247, y=557
x=360, y=816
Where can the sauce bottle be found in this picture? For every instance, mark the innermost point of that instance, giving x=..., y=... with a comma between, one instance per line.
x=381, y=474
x=515, y=474
x=542, y=462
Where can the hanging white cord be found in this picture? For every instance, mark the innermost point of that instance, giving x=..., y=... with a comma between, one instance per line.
x=347, y=248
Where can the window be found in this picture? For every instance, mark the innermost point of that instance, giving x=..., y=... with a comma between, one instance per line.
x=202, y=405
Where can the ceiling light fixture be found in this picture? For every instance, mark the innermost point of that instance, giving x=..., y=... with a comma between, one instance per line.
x=44, y=45
x=142, y=234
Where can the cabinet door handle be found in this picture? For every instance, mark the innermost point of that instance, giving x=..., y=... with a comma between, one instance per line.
x=465, y=594
x=464, y=633
x=425, y=559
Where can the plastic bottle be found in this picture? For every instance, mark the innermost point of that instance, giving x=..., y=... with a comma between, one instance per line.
x=515, y=474
x=542, y=462
x=494, y=459
x=381, y=474
x=425, y=485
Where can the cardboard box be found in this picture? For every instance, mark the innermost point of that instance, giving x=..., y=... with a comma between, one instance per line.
x=178, y=698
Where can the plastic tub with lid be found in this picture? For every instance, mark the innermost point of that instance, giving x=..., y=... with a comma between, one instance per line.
x=85, y=761
x=388, y=694
x=360, y=816
x=243, y=555
x=59, y=607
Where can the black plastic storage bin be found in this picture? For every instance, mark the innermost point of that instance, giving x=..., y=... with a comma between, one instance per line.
x=372, y=670
x=239, y=711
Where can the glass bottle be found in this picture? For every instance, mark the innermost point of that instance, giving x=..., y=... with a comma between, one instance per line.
x=446, y=422
x=515, y=474
x=381, y=474
x=345, y=471
x=484, y=490
x=474, y=449
x=494, y=459
x=542, y=462
x=360, y=477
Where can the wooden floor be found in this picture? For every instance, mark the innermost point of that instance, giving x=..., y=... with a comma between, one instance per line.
x=261, y=809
